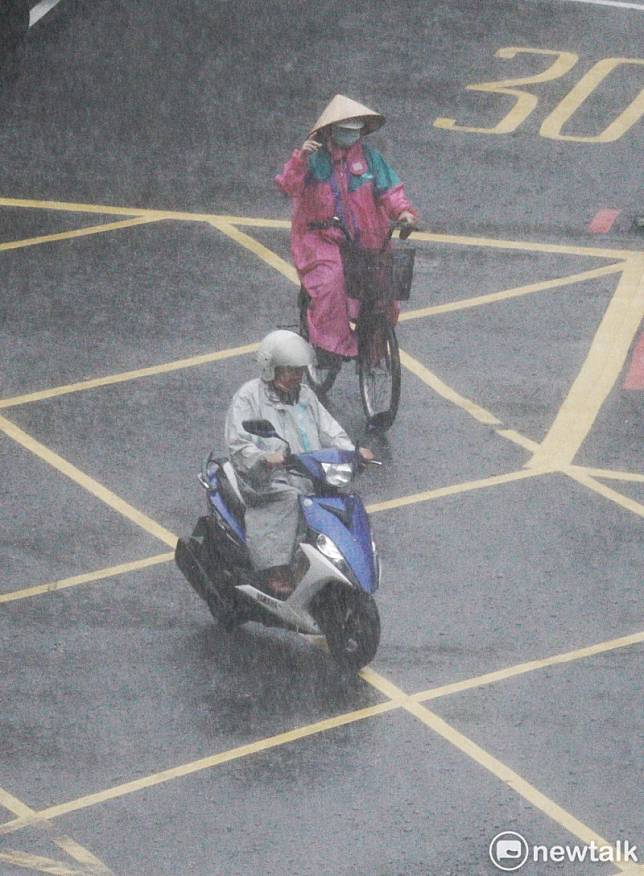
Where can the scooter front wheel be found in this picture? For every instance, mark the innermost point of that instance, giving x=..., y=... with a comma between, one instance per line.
x=350, y=621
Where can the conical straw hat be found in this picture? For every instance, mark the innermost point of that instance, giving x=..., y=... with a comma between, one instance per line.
x=341, y=108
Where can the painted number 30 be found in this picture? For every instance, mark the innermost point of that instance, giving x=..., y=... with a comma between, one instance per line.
x=551, y=127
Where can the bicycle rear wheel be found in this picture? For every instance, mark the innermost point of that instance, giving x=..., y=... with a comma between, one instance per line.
x=319, y=377
x=379, y=371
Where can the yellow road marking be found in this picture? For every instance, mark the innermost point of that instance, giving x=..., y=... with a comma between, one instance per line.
x=68, y=206
x=429, y=718
x=429, y=378
x=86, y=578
x=258, y=222
x=81, y=855
x=452, y=490
x=577, y=474
x=204, y=763
x=109, y=380
x=507, y=294
x=78, y=232
x=374, y=508
x=530, y=666
x=88, y=483
x=517, y=438
x=498, y=769
x=176, y=215
x=12, y=804
x=267, y=255
x=396, y=699
x=523, y=246
x=225, y=224
x=38, y=864
x=508, y=776
x=92, y=864
x=599, y=372
x=541, y=464
x=610, y=474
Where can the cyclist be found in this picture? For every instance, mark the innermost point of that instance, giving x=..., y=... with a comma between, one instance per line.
x=336, y=173
x=270, y=491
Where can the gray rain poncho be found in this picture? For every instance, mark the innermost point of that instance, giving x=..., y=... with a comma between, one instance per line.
x=271, y=496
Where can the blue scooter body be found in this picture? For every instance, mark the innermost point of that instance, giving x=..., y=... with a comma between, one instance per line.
x=340, y=517
x=335, y=567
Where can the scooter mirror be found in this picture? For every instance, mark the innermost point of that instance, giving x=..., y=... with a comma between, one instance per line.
x=261, y=428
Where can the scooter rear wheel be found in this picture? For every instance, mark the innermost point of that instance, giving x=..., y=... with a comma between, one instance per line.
x=228, y=619
x=351, y=624
x=224, y=609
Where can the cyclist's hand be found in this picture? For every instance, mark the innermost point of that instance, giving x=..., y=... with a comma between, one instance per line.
x=407, y=217
x=309, y=146
x=366, y=455
x=274, y=460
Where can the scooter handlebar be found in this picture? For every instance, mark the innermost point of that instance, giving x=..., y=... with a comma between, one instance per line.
x=362, y=463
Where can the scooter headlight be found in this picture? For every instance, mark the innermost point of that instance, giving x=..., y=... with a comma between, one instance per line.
x=328, y=547
x=332, y=552
x=338, y=474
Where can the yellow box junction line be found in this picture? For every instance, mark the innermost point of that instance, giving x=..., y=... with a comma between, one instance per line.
x=259, y=222
x=413, y=365
x=441, y=727
x=599, y=372
x=91, y=866
x=396, y=699
x=78, y=232
x=497, y=768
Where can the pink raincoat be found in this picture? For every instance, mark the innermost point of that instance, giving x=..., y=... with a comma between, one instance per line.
x=356, y=184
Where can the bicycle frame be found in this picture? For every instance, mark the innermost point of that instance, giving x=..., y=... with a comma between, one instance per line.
x=378, y=359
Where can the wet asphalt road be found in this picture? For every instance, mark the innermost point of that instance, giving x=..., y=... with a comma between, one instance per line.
x=129, y=722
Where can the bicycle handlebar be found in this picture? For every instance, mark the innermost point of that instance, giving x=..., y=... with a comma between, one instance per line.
x=333, y=222
x=404, y=228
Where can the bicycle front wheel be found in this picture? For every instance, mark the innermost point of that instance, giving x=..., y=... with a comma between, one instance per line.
x=379, y=372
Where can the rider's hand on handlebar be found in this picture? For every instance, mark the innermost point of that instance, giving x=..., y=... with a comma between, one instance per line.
x=407, y=218
x=275, y=460
x=365, y=454
x=310, y=146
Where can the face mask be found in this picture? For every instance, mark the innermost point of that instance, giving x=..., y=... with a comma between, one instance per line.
x=344, y=136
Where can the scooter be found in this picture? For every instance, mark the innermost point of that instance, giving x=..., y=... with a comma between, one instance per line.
x=335, y=567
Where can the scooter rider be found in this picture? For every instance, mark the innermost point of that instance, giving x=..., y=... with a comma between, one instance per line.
x=271, y=491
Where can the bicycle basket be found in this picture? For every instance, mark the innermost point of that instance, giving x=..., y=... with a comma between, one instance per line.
x=374, y=275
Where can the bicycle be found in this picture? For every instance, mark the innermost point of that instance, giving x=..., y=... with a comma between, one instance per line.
x=376, y=278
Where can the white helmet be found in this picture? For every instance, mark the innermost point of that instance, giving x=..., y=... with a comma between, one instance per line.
x=283, y=348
